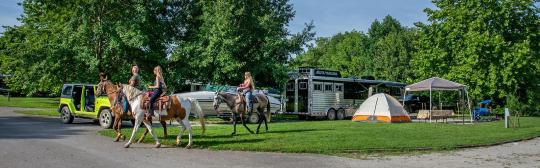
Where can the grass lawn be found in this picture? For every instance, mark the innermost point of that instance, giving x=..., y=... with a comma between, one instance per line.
x=42, y=106
x=29, y=102
x=39, y=112
x=349, y=138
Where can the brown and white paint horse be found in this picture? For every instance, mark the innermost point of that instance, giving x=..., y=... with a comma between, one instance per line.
x=236, y=103
x=106, y=86
x=179, y=110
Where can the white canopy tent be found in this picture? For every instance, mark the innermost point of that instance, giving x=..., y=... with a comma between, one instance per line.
x=439, y=84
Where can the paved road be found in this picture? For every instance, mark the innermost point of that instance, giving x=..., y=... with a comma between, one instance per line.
x=45, y=142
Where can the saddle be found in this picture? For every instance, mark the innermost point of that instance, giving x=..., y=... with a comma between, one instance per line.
x=254, y=99
x=162, y=103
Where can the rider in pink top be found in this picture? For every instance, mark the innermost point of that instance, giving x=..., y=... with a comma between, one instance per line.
x=247, y=88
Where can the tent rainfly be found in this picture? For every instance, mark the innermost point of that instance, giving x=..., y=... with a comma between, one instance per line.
x=383, y=108
x=440, y=84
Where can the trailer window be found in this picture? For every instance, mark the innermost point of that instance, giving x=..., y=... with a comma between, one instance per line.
x=303, y=85
x=317, y=87
x=339, y=88
x=328, y=87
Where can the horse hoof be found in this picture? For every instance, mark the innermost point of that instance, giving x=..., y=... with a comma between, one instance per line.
x=126, y=145
x=157, y=145
x=116, y=140
x=188, y=147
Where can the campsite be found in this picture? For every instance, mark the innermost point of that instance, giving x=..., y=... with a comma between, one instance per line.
x=269, y=83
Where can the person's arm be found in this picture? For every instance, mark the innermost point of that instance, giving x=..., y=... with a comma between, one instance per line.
x=132, y=81
x=154, y=86
x=245, y=85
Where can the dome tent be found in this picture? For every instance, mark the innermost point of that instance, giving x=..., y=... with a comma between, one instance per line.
x=382, y=108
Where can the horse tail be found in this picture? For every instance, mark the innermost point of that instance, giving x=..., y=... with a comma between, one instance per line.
x=200, y=113
x=268, y=112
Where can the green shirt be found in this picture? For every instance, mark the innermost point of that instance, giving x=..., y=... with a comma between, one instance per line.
x=136, y=81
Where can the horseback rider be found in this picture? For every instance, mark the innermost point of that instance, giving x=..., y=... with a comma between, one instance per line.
x=158, y=87
x=134, y=81
x=247, y=88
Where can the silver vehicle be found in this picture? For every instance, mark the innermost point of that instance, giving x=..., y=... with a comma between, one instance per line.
x=206, y=98
x=312, y=92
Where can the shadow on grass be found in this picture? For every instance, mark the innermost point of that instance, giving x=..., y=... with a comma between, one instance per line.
x=297, y=130
x=204, y=141
x=208, y=142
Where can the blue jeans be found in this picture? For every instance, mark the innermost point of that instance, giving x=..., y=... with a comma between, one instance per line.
x=249, y=98
x=153, y=99
x=125, y=104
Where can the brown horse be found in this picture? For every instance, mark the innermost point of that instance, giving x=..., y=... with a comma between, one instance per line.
x=106, y=86
x=237, y=104
x=179, y=110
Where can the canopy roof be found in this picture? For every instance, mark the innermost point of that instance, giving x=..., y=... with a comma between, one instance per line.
x=434, y=83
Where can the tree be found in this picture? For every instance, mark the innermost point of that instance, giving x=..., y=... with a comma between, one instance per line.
x=345, y=52
x=237, y=36
x=72, y=41
x=492, y=46
x=392, y=56
x=385, y=52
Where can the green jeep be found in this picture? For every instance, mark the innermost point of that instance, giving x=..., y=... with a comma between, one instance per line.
x=79, y=100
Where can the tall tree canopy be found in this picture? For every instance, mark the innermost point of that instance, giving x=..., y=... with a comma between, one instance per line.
x=490, y=45
x=384, y=52
x=211, y=41
x=72, y=41
x=240, y=35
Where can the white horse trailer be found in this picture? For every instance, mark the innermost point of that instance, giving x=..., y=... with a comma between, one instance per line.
x=312, y=92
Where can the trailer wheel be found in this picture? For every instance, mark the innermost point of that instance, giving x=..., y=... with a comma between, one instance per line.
x=340, y=115
x=331, y=114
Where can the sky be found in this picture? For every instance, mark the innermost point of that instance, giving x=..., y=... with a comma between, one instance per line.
x=329, y=16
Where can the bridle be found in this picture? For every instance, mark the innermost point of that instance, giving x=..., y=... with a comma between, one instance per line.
x=219, y=99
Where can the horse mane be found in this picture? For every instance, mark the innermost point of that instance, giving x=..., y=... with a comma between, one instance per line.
x=131, y=91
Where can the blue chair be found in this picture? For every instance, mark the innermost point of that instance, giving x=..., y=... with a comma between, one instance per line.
x=483, y=110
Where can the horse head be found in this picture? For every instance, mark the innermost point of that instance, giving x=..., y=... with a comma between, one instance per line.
x=103, y=86
x=218, y=99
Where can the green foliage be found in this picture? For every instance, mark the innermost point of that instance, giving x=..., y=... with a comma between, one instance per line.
x=72, y=41
x=237, y=36
x=384, y=52
x=210, y=41
x=346, y=52
x=491, y=46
